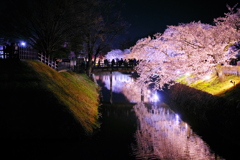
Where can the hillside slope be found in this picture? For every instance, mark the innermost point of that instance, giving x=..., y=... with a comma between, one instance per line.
x=38, y=102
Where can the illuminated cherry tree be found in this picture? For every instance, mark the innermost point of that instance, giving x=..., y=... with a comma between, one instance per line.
x=194, y=50
x=230, y=27
x=117, y=53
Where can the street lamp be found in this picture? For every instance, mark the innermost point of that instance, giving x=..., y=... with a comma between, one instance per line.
x=233, y=82
x=23, y=44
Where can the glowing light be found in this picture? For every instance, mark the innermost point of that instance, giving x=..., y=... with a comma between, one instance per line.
x=155, y=98
x=187, y=74
x=207, y=77
x=23, y=44
x=177, y=119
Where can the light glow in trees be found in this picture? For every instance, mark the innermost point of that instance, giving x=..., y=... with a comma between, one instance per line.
x=117, y=53
x=195, y=50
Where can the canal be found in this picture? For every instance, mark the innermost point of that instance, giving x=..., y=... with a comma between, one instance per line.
x=137, y=124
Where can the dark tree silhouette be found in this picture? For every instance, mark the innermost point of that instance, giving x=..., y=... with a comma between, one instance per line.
x=47, y=25
x=104, y=24
x=55, y=26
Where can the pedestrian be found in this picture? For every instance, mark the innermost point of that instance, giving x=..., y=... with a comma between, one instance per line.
x=7, y=51
x=13, y=51
x=113, y=62
x=98, y=62
x=121, y=62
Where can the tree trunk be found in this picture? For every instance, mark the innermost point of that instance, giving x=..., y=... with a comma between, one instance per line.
x=89, y=69
x=220, y=73
x=89, y=65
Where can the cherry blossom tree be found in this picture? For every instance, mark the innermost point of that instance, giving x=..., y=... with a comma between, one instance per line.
x=230, y=27
x=117, y=53
x=193, y=50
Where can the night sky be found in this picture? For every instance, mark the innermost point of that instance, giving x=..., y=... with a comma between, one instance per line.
x=151, y=16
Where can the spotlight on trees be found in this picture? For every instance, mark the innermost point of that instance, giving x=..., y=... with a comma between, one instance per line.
x=207, y=77
x=187, y=74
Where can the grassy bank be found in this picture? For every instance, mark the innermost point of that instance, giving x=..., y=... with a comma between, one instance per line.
x=210, y=99
x=226, y=88
x=211, y=108
x=39, y=102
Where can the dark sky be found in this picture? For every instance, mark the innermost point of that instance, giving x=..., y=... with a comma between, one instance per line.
x=151, y=16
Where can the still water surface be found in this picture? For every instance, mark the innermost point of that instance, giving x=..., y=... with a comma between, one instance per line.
x=134, y=127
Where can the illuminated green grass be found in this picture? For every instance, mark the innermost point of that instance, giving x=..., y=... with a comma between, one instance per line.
x=214, y=86
x=43, y=90
x=74, y=91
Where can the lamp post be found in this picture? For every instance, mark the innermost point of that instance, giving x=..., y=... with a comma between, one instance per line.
x=233, y=82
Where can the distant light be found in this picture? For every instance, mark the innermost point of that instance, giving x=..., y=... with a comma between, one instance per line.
x=177, y=116
x=23, y=44
x=177, y=119
x=154, y=97
x=187, y=74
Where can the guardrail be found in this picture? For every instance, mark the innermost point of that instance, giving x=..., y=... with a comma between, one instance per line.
x=231, y=70
x=25, y=53
x=47, y=60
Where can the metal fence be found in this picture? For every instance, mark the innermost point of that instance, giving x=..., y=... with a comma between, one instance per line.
x=230, y=70
x=27, y=53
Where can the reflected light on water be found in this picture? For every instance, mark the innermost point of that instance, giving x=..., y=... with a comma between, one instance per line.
x=124, y=83
x=118, y=80
x=162, y=135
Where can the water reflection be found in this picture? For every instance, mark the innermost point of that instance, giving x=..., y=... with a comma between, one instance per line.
x=124, y=83
x=162, y=135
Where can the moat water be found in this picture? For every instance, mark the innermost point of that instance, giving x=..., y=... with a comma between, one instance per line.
x=142, y=127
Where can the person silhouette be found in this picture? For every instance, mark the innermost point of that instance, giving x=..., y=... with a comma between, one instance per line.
x=12, y=51
x=7, y=51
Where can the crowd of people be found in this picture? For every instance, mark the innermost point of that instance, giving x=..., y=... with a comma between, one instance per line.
x=11, y=51
x=118, y=63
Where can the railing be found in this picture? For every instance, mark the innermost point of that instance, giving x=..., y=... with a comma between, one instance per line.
x=25, y=53
x=126, y=67
x=3, y=55
x=230, y=70
x=47, y=60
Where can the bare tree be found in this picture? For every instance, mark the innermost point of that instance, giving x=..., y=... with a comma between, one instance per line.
x=104, y=24
x=46, y=24
x=54, y=26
